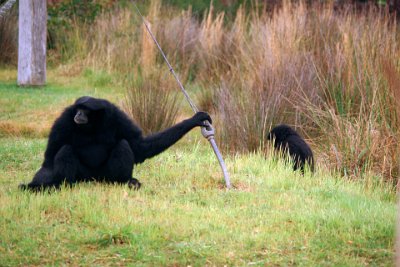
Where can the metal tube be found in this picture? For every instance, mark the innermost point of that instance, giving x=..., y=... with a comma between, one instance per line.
x=208, y=132
x=221, y=163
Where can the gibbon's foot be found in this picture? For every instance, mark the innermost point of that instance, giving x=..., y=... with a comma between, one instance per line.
x=134, y=183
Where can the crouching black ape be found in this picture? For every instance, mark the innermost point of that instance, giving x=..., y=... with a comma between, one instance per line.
x=286, y=140
x=95, y=140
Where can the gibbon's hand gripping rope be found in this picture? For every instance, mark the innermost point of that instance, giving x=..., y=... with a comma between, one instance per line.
x=207, y=131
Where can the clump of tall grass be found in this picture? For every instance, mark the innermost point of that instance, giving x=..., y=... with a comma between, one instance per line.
x=264, y=67
x=331, y=73
x=152, y=100
x=356, y=114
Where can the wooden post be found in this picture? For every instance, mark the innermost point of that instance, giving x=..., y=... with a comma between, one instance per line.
x=32, y=42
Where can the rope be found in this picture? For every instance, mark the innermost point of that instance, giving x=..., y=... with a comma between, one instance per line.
x=207, y=131
x=6, y=7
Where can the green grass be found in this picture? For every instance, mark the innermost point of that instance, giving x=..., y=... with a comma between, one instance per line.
x=30, y=111
x=183, y=215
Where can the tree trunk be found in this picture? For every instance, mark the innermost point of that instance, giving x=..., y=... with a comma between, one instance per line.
x=32, y=42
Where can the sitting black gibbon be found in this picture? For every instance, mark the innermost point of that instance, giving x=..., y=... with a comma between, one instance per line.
x=286, y=140
x=94, y=140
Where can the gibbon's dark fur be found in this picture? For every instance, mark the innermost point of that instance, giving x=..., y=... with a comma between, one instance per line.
x=94, y=140
x=286, y=140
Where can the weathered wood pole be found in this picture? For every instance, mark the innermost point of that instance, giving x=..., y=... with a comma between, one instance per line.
x=32, y=42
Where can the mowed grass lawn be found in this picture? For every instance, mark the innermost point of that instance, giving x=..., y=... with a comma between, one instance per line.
x=182, y=215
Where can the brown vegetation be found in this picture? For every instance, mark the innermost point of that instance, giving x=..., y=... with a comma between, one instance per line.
x=332, y=74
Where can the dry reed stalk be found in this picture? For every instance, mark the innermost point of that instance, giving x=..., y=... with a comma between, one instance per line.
x=148, y=54
x=148, y=49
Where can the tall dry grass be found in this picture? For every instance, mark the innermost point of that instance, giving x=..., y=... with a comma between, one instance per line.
x=332, y=74
x=151, y=99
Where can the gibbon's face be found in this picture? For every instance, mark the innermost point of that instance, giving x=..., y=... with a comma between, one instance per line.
x=82, y=116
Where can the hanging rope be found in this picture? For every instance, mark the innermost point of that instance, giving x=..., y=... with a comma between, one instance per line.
x=6, y=7
x=208, y=131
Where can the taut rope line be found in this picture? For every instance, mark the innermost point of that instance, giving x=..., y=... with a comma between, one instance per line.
x=208, y=131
